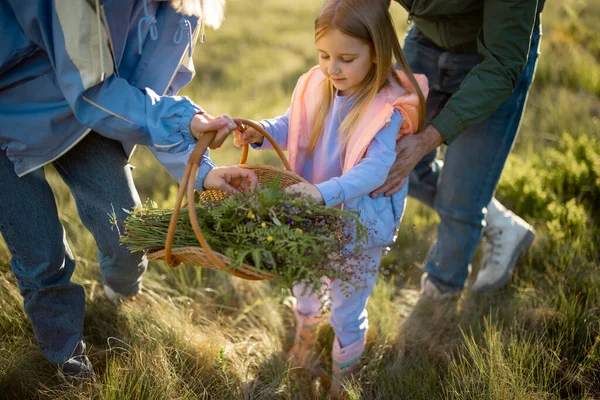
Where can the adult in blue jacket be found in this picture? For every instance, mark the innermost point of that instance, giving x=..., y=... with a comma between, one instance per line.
x=82, y=83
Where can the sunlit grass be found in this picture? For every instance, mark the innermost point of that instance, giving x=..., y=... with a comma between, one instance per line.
x=202, y=334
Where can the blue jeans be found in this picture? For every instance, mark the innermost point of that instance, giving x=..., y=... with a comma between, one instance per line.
x=99, y=177
x=460, y=187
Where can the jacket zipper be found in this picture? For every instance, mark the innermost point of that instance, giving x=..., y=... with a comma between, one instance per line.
x=110, y=43
x=411, y=12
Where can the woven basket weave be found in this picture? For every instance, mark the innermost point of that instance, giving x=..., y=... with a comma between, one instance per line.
x=202, y=255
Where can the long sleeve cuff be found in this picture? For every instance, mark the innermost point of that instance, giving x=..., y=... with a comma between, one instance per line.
x=448, y=124
x=332, y=192
x=185, y=122
x=205, y=167
x=266, y=145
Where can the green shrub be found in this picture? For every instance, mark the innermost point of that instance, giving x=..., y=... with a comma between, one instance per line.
x=560, y=186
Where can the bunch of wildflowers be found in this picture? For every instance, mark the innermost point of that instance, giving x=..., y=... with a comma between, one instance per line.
x=286, y=234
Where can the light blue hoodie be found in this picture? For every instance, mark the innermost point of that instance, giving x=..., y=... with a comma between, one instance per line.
x=323, y=168
x=112, y=66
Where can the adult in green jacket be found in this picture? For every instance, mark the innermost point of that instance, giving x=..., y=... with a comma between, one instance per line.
x=480, y=58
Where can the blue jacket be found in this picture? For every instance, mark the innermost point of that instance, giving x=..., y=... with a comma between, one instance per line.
x=111, y=66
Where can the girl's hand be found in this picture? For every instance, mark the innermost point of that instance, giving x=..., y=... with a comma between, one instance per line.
x=306, y=189
x=231, y=179
x=245, y=136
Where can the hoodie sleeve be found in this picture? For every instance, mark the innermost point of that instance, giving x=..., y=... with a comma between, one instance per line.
x=278, y=129
x=76, y=41
x=370, y=173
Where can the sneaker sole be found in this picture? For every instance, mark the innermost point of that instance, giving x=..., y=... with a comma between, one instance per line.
x=522, y=247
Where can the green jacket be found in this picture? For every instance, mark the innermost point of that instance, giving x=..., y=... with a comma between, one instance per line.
x=499, y=30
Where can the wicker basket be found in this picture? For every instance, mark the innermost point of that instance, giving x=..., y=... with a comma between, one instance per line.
x=203, y=255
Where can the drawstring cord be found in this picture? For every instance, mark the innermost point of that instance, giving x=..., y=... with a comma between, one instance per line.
x=184, y=25
x=147, y=18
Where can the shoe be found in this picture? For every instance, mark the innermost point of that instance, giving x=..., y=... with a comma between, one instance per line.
x=306, y=336
x=507, y=236
x=345, y=365
x=431, y=291
x=117, y=298
x=77, y=370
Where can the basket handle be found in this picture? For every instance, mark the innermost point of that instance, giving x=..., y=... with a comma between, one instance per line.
x=189, y=176
x=188, y=183
x=261, y=130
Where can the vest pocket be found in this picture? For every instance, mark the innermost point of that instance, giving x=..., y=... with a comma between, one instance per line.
x=377, y=215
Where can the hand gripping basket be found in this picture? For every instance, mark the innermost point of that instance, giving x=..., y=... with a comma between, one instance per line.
x=203, y=255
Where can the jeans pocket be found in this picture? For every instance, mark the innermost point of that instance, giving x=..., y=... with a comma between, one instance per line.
x=421, y=55
x=418, y=37
x=456, y=68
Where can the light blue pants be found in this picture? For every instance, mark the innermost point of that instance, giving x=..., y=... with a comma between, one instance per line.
x=348, y=309
x=463, y=185
x=99, y=177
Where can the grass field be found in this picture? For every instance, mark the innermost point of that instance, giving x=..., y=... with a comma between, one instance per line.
x=203, y=334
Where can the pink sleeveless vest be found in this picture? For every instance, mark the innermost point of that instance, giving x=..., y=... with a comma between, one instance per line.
x=308, y=95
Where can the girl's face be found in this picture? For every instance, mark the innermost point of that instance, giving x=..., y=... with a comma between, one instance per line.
x=344, y=59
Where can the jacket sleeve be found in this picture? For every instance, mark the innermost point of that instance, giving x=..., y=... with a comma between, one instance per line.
x=76, y=41
x=503, y=43
x=175, y=164
x=370, y=173
x=278, y=129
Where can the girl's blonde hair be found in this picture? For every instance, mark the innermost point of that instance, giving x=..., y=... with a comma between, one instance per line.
x=371, y=22
x=211, y=11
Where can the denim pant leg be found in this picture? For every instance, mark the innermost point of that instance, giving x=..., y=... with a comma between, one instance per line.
x=472, y=168
x=42, y=262
x=423, y=58
x=98, y=175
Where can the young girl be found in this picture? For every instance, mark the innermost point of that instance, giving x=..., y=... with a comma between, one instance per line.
x=340, y=133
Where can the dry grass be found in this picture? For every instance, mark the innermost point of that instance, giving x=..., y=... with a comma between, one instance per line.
x=202, y=334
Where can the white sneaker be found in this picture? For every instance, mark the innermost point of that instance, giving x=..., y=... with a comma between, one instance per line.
x=507, y=236
x=115, y=297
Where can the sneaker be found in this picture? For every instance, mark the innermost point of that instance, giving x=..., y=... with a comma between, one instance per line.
x=77, y=370
x=345, y=365
x=117, y=298
x=301, y=351
x=507, y=236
